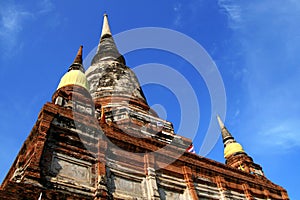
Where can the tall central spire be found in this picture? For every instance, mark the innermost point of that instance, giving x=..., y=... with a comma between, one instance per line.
x=107, y=49
x=111, y=81
x=105, y=28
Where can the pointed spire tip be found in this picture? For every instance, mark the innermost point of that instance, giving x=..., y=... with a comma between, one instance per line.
x=221, y=123
x=105, y=27
x=77, y=63
x=78, y=58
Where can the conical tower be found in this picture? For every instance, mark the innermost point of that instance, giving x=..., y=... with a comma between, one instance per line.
x=234, y=153
x=73, y=87
x=111, y=81
x=119, y=149
x=231, y=147
x=116, y=91
x=57, y=159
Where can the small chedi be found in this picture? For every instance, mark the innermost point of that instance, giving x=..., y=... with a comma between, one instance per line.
x=99, y=139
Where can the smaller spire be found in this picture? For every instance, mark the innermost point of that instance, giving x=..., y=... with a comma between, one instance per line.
x=226, y=135
x=105, y=27
x=221, y=124
x=78, y=58
x=231, y=146
x=77, y=63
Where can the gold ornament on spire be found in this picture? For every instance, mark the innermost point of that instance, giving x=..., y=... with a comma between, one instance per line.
x=231, y=147
x=75, y=75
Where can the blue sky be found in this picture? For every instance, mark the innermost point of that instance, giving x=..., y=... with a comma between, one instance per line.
x=254, y=44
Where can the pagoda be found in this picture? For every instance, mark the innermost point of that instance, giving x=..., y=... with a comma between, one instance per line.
x=99, y=139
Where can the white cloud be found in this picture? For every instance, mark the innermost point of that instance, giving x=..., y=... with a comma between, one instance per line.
x=186, y=11
x=237, y=112
x=46, y=6
x=268, y=34
x=178, y=14
x=231, y=9
x=177, y=7
x=12, y=20
x=284, y=135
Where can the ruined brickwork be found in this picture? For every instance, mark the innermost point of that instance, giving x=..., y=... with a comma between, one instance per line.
x=98, y=139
